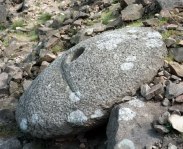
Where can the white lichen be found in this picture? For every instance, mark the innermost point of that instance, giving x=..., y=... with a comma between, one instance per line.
x=35, y=118
x=74, y=96
x=77, y=118
x=125, y=144
x=126, y=114
x=131, y=58
x=23, y=124
x=98, y=113
x=127, y=66
x=136, y=102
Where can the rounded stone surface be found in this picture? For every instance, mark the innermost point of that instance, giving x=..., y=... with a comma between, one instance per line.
x=90, y=77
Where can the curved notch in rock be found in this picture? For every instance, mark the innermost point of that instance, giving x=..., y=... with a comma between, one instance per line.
x=75, y=54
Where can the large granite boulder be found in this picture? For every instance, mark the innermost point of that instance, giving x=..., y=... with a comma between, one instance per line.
x=76, y=92
x=130, y=125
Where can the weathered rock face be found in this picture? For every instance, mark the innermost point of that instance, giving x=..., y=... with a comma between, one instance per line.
x=3, y=13
x=168, y=4
x=130, y=125
x=74, y=93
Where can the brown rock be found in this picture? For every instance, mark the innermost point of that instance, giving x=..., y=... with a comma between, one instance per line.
x=176, y=68
x=179, y=99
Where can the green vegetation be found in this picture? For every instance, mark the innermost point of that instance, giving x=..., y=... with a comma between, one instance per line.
x=2, y=27
x=163, y=21
x=89, y=22
x=6, y=42
x=56, y=49
x=168, y=33
x=61, y=18
x=137, y=23
x=115, y=1
x=33, y=36
x=44, y=17
x=107, y=16
x=17, y=23
x=169, y=58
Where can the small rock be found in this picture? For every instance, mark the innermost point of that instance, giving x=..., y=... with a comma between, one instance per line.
x=176, y=68
x=78, y=22
x=165, y=13
x=46, y=56
x=99, y=27
x=177, y=54
x=170, y=41
x=175, y=78
x=171, y=146
x=177, y=122
x=15, y=72
x=89, y=31
x=26, y=84
x=14, y=89
x=149, y=93
x=44, y=64
x=151, y=22
x=161, y=129
x=172, y=26
x=129, y=2
x=4, y=80
x=181, y=43
x=132, y=12
x=173, y=90
x=166, y=102
x=179, y=99
x=163, y=119
x=3, y=13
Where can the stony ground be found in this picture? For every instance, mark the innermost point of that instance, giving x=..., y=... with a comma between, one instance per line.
x=33, y=33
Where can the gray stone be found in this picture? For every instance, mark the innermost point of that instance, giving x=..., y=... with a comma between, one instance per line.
x=26, y=84
x=171, y=146
x=129, y=125
x=129, y=2
x=177, y=54
x=173, y=90
x=163, y=119
x=92, y=76
x=132, y=12
x=12, y=143
x=3, y=13
x=149, y=93
x=4, y=80
x=166, y=102
x=169, y=4
x=161, y=129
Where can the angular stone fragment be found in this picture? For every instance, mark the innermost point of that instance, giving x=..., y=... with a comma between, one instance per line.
x=176, y=68
x=130, y=125
x=173, y=90
x=177, y=54
x=74, y=93
x=4, y=80
x=132, y=12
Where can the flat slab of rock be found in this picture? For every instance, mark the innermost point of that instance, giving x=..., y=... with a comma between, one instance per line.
x=130, y=125
x=75, y=92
